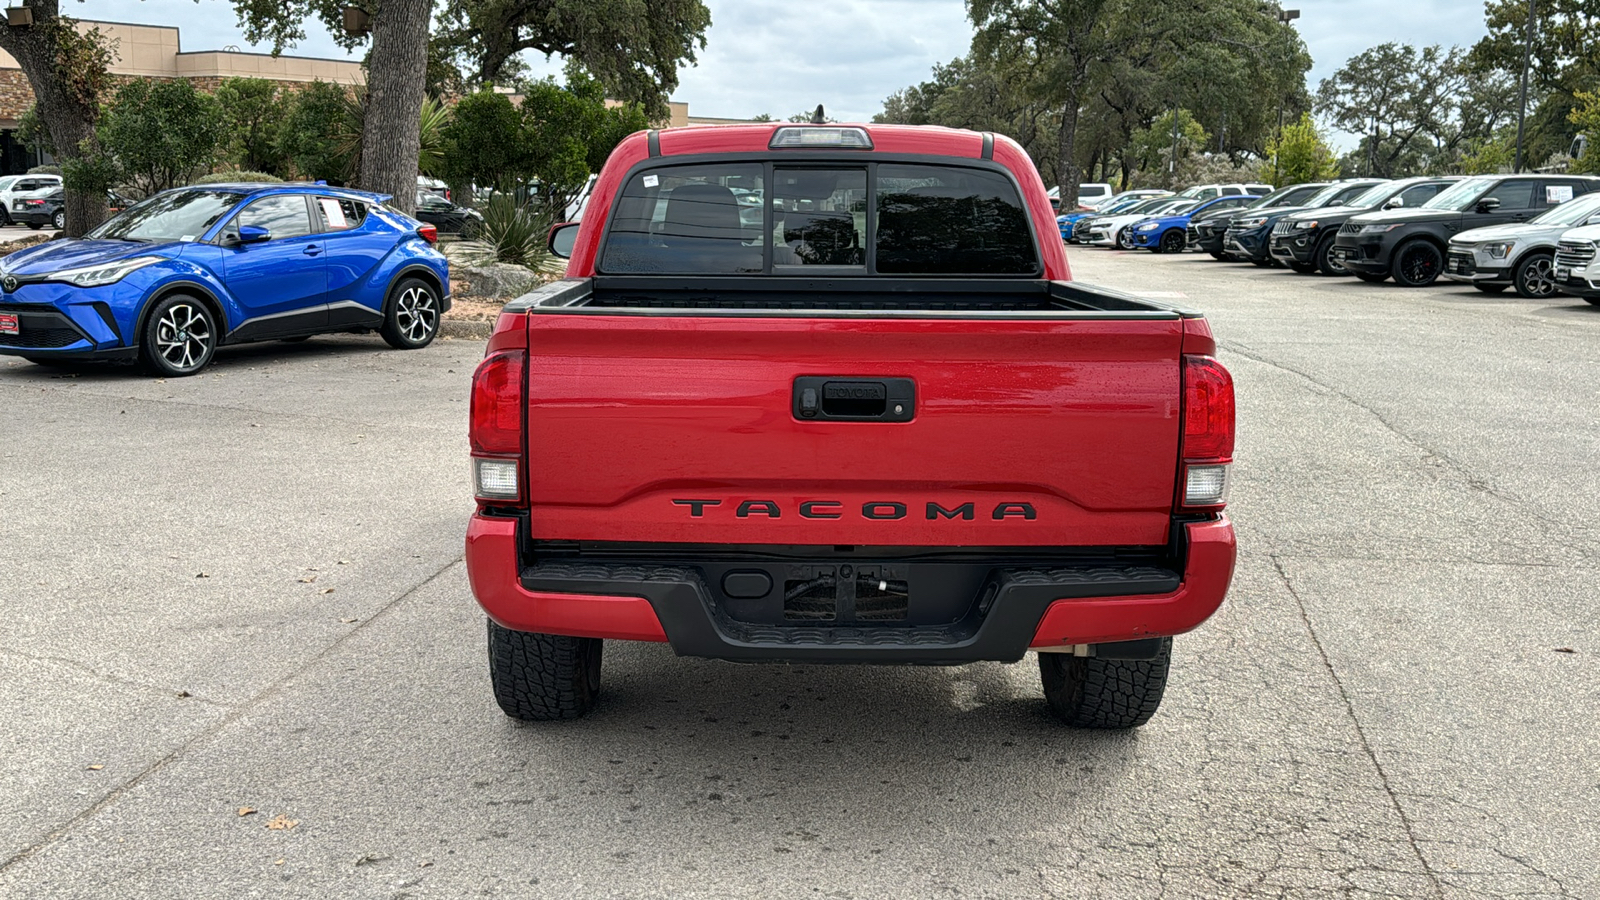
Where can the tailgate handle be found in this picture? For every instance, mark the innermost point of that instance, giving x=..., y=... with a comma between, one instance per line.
x=852, y=399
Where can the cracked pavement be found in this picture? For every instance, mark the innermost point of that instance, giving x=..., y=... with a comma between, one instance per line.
x=244, y=591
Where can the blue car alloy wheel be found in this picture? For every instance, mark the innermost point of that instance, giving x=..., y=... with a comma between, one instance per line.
x=170, y=280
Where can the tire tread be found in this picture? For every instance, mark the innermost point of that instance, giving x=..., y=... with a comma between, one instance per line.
x=543, y=677
x=1089, y=692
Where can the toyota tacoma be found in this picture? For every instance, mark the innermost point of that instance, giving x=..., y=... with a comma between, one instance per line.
x=874, y=423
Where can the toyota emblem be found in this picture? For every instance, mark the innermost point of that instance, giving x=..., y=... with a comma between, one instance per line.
x=10, y=282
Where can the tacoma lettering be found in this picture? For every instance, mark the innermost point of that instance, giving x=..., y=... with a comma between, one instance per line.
x=873, y=510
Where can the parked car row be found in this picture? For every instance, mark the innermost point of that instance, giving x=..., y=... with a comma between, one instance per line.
x=1538, y=234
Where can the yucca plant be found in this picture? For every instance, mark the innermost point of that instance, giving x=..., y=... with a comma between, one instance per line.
x=513, y=233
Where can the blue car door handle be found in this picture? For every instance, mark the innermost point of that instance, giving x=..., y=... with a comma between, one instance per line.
x=311, y=250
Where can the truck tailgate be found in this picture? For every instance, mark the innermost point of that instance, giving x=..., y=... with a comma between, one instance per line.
x=683, y=429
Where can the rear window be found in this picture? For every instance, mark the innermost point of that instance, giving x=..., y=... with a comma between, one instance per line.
x=749, y=218
x=340, y=213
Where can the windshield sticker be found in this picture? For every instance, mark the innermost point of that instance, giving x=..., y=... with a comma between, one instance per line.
x=187, y=237
x=332, y=212
x=651, y=181
x=1557, y=193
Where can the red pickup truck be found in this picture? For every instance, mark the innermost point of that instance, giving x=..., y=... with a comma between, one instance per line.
x=826, y=394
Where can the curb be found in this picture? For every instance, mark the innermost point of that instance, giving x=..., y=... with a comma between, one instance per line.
x=465, y=330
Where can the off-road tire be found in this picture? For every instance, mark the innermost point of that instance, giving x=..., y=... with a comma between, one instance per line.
x=412, y=315
x=1089, y=692
x=1491, y=288
x=543, y=677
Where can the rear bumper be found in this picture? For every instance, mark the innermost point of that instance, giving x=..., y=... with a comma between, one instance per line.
x=1015, y=609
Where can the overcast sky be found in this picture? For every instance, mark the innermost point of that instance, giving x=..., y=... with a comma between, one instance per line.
x=781, y=56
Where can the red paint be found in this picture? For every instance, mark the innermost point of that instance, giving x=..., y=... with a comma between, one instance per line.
x=492, y=569
x=1206, y=575
x=626, y=414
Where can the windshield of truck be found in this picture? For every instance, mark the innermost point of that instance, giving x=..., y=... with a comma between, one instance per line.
x=1572, y=212
x=726, y=219
x=1378, y=193
x=1462, y=194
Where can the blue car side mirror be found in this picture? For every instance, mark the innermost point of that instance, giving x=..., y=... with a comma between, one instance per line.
x=253, y=234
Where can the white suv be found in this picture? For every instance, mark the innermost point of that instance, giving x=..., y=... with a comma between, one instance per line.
x=1577, y=266
x=16, y=187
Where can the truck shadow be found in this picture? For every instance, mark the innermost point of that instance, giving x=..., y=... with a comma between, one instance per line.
x=889, y=748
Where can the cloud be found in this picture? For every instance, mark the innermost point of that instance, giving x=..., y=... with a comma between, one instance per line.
x=782, y=57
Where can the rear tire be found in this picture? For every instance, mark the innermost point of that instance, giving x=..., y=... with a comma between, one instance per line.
x=1089, y=692
x=411, y=317
x=1417, y=263
x=59, y=221
x=543, y=677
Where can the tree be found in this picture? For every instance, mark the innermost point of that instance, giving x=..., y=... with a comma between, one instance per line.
x=1418, y=110
x=1565, y=60
x=162, y=134
x=397, y=73
x=67, y=68
x=254, y=113
x=484, y=141
x=1152, y=148
x=568, y=131
x=1300, y=155
x=1587, y=117
x=634, y=48
x=309, y=136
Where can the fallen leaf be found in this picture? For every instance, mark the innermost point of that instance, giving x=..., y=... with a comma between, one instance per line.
x=371, y=858
x=344, y=562
x=184, y=694
x=246, y=811
x=281, y=822
x=308, y=579
x=349, y=621
x=95, y=768
x=425, y=864
x=277, y=862
x=202, y=574
x=326, y=591
x=1565, y=650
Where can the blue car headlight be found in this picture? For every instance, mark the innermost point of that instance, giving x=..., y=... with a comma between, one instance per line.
x=105, y=273
x=1149, y=226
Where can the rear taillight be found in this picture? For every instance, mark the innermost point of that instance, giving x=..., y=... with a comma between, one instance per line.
x=429, y=233
x=495, y=427
x=1207, y=434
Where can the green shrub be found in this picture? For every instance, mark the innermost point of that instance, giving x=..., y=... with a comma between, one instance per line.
x=45, y=170
x=236, y=176
x=514, y=234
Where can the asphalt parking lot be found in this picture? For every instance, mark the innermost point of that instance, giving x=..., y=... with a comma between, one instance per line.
x=243, y=591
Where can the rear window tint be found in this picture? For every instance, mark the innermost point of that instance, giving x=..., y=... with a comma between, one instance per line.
x=945, y=220
x=713, y=219
x=688, y=220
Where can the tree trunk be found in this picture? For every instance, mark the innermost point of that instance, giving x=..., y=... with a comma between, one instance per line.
x=396, y=84
x=1067, y=158
x=68, y=120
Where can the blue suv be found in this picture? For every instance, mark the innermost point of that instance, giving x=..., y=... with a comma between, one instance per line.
x=169, y=280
